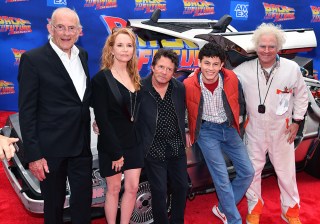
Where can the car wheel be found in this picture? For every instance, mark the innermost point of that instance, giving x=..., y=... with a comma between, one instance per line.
x=142, y=212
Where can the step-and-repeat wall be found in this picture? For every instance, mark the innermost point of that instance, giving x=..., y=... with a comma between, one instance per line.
x=23, y=26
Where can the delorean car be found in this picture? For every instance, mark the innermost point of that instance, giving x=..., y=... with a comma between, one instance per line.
x=195, y=32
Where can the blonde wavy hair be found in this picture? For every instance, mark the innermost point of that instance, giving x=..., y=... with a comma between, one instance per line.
x=107, y=59
x=269, y=28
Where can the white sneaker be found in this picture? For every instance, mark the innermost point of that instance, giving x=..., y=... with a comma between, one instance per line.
x=219, y=214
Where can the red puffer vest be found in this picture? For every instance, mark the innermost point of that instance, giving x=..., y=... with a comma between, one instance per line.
x=193, y=99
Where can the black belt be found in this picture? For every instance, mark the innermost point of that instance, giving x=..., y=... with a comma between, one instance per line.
x=202, y=121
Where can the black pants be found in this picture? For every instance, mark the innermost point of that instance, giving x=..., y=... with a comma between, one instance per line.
x=158, y=173
x=53, y=189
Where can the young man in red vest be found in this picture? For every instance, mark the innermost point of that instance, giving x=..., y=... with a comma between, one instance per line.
x=216, y=107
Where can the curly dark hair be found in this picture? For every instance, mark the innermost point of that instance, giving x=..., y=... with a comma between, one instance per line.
x=212, y=50
x=167, y=53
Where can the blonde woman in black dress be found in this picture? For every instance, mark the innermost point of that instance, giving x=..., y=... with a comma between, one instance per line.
x=115, y=100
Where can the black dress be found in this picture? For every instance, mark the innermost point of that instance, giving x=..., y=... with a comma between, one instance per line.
x=114, y=107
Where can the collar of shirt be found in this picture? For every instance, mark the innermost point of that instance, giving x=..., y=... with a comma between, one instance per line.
x=73, y=67
x=276, y=65
x=168, y=92
x=74, y=51
x=220, y=83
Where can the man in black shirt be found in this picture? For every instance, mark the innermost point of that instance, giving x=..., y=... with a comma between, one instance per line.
x=162, y=127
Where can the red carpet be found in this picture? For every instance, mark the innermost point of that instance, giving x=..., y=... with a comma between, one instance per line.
x=198, y=211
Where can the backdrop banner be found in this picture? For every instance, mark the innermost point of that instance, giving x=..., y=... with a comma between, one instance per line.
x=23, y=26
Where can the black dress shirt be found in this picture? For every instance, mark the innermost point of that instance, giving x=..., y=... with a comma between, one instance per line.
x=167, y=142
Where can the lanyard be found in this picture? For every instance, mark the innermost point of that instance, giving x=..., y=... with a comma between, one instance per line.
x=259, y=87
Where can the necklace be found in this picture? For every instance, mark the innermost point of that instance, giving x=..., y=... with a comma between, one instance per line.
x=119, y=76
x=132, y=108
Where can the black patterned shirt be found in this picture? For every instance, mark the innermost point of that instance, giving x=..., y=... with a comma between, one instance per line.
x=167, y=142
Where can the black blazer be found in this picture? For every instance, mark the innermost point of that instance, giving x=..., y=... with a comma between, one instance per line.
x=54, y=121
x=116, y=130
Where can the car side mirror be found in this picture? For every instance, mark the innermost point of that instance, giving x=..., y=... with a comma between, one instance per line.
x=221, y=25
x=154, y=17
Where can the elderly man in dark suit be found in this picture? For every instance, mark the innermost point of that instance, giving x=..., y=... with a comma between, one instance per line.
x=54, y=99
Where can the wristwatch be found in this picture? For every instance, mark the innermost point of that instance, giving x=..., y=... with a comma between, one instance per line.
x=296, y=121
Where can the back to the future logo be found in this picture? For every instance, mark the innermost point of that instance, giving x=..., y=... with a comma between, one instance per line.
x=239, y=10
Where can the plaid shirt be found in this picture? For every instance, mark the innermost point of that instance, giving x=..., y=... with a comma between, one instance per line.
x=213, y=109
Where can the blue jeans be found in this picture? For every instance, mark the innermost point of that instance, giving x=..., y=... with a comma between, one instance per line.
x=214, y=140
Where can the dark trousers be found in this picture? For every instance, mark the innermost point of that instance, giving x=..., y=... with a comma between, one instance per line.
x=53, y=189
x=158, y=173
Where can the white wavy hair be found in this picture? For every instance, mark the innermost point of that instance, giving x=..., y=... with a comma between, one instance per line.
x=267, y=29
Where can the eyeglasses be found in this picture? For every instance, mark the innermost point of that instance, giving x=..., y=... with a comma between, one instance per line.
x=163, y=68
x=62, y=28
